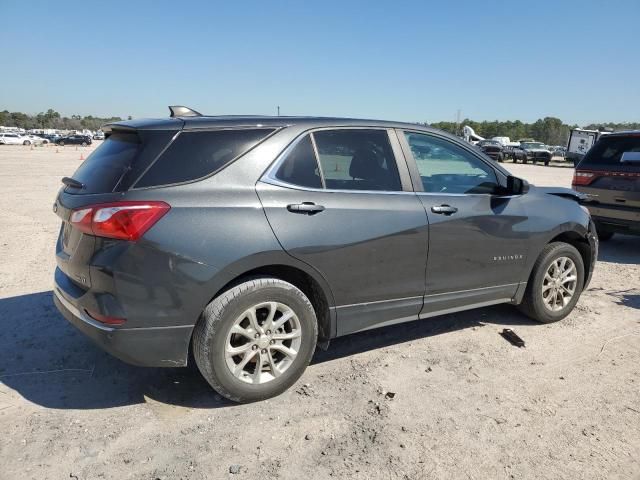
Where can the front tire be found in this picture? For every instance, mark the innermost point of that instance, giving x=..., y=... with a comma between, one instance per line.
x=555, y=284
x=256, y=339
x=26, y=142
x=61, y=144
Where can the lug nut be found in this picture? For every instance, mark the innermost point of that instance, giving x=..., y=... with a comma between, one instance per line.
x=264, y=350
x=268, y=332
x=255, y=347
x=272, y=342
x=257, y=335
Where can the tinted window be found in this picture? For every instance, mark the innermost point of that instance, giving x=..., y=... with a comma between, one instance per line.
x=102, y=170
x=119, y=160
x=357, y=160
x=300, y=167
x=609, y=149
x=447, y=168
x=194, y=155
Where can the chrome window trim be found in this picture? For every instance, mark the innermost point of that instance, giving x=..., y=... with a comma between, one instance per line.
x=269, y=176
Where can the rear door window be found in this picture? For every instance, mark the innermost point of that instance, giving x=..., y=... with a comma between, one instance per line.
x=357, y=159
x=300, y=166
x=197, y=154
x=609, y=149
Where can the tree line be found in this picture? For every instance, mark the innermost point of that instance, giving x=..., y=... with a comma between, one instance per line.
x=52, y=119
x=548, y=130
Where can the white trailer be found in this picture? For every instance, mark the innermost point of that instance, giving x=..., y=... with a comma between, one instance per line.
x=580, y=141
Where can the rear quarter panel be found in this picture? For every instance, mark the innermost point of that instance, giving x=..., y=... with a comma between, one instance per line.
x=215, y=231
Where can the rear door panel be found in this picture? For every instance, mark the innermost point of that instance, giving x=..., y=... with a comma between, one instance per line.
x=370, y=247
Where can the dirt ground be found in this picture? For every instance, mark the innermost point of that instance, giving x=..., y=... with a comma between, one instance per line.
x=467, y=404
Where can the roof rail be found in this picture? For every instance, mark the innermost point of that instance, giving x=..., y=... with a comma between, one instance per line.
x=181, y=111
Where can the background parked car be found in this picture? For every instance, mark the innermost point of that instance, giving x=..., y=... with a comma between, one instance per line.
x=98, y=136
x=29, y=139
x=609, y=174
x=83, y=140
x=51, y=138
x=517, y=153
x=536, y=151
x=12, y=139
x=492, y=148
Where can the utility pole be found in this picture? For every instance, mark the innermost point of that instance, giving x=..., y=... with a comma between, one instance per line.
x=458, y=122
x=278, y=110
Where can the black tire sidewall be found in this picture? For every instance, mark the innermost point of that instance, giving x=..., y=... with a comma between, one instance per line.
x=559, y=250
x=221, y=378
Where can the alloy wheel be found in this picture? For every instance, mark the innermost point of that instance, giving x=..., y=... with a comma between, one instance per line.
x=263, y=342
x=559, y=284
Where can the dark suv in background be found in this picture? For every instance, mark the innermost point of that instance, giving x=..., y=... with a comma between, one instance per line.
x=249, y=240
x=610, y=175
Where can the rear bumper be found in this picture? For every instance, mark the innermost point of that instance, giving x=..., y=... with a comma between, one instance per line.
x=147, y=347
x=617, y=219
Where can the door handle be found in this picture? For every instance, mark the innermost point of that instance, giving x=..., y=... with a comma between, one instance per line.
x=305, y=207
x=444, y=209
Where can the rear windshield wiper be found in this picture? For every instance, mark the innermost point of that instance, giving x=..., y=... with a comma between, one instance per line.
x=70, y=182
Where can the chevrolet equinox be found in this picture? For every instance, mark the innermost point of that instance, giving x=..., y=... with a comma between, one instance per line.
x=244, y=242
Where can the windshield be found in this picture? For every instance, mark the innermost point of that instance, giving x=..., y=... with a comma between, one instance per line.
x=489, y=143
x=532, y=145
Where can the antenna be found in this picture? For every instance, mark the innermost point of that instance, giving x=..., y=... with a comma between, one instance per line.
x=278, y=110
x=181, y=111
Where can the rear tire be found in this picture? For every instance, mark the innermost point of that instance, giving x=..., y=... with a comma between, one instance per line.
x=84, y=144
x=61, y=144
x=237, y=377
x=546, y=298
x=26, y=142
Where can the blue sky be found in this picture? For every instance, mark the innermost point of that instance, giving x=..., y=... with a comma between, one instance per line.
x=412, y=61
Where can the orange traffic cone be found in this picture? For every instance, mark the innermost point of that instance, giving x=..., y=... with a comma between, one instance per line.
x=57, y=151
x=81, y=157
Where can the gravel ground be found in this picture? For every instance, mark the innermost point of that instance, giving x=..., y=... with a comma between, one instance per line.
x=467, y=404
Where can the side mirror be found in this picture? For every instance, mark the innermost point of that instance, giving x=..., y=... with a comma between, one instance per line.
x=516, y=186
x=630, y=157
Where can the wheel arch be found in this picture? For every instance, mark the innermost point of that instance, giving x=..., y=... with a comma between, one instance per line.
x=577, y=240
x=581, y=244
x=288, y=269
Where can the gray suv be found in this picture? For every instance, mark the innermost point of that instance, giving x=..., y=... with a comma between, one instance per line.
x=245, y=242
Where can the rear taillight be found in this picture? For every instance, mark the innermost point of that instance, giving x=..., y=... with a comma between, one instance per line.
x=121, y=220
x=581, y=177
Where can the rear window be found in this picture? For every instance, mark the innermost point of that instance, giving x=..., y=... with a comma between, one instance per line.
x=196, y=154
x=609, y=149
x=120, y=159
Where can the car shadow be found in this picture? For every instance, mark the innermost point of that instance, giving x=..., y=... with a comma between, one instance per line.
x=48, y=362
x=368, y=340
x=623, y=249
x=627, y=298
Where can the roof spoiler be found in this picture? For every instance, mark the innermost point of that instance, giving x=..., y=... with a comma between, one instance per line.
x=181, y=111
